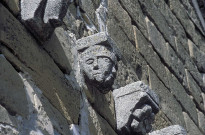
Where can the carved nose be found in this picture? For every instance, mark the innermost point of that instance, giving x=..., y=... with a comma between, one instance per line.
x=95, y=65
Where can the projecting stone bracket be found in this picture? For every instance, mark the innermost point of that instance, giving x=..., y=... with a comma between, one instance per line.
x=42, y=16
x=135, y=105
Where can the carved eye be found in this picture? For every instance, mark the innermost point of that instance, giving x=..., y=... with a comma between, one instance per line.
x=106, y=59
x=89, y=61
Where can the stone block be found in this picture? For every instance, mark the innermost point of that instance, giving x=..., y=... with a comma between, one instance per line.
x=31, y=14
x=181, y=96
x=6, y=118
x=129, y=101
x=13, y=6
x=168, y=103
x=197, y=55
x=54, y=12
x=192, y=14
x=43, y=117
x=42, y=16
x=166, y=52
x=12, y=90
x=178, y=35
x=191, y=127
x=181, y=14
x=153, y=13
x=34, y=60
x=91, y=122
x=89, y=7
x=132, y=7
x=161, y=121
x=201, y=119
x=195, y=90
x=59, y=48
x=150, y=56
x=171, y=130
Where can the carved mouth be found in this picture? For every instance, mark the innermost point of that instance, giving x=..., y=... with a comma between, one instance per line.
x=96, y=73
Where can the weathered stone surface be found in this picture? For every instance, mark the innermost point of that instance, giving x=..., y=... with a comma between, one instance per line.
x=98, y=56
x=31, y=15
x=181, y=14
x=156, y=15
x=12, y=89
x=13, y=5
x=8, y=130
x=192, y=13
x=150, y=56
x=91, y=122
x=201, y=119
x=59, y=47
x=191, y=128
x=43, y=117
x=100, y=38
x=161, y=121
x=34, y=60
x=42, y=16
x=168, y=103
x=171, y=130
x=89, y=7
x=120, y=28
x=6, y=118
x=195, y=90
x=179, y=35
x=166, y=52
x=135, y=12
x=179, y=92
x=55, y=10
x=197, y=55
x=135, y=102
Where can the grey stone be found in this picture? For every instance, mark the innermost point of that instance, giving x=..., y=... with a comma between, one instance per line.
x=101, y=13
x=98, y=60
x=136, y=13
x=31, y=14
x=43, y=117
x=180, y=93
x=154, y=13
x=8, y=130
x=151, y=57
x=12, y=89
x=35, y=61
x=6, y=118
x=91, y=123
x=193, y=14
x=55, y=11
x=13, y=6
x=59, y=47
x=181, y=14
x=166, y=52
x=197, y=55
x=195, y=90
x=201, y=119
x=135, y=102
x=89, y=7
x=42, y=16
x=171, y=130
x=191, y=127
x=97, y=39
x=168, y=103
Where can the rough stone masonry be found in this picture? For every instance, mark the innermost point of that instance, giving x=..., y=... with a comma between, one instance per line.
x=102, y=67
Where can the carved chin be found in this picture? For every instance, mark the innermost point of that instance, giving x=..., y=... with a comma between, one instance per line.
x=104, y=85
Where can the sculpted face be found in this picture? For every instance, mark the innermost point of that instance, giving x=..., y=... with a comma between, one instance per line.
x=98, y=66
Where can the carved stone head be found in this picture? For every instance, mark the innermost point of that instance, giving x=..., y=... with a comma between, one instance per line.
x=98, y=63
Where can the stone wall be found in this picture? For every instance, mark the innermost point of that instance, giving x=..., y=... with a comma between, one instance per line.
x=162, y=43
